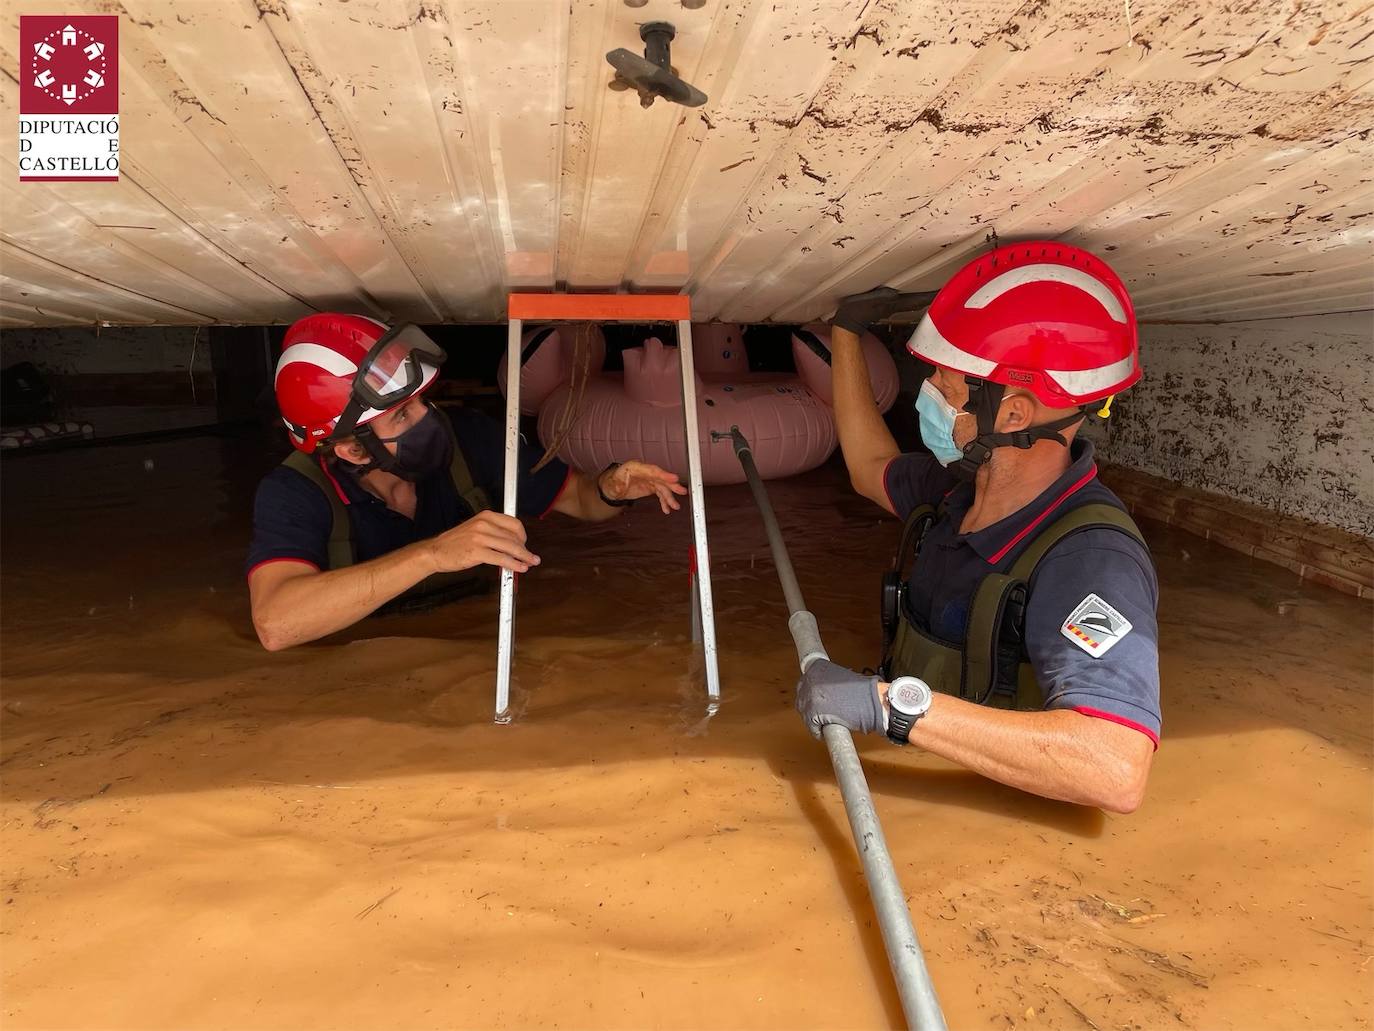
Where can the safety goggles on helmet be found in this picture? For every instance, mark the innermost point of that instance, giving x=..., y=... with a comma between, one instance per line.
x=393, y=371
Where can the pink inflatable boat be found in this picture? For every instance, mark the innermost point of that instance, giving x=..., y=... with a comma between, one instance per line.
x=609, y=417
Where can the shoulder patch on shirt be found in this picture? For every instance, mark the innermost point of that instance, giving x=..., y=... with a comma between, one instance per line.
x=1095, y=626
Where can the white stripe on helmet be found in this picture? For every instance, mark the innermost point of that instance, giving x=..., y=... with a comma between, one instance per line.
x=929, y=343
x=315, y=354
x=1080, y=382
x=1011, y=279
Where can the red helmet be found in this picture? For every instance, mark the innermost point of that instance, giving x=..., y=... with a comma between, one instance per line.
x=338, y=372
x=1041, y=315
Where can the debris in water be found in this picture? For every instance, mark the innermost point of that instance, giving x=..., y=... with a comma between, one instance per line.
x=1129, y=915
x=374, y=905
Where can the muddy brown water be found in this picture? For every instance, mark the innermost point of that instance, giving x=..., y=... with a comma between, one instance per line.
x=198, y=834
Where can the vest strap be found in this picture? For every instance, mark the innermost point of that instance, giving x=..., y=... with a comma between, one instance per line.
x=340, y=552
x=1084, y=517
x=914, y=528
x=996, y=598
x=474, y=496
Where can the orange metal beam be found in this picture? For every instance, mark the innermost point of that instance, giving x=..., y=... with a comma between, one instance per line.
x=600, y=307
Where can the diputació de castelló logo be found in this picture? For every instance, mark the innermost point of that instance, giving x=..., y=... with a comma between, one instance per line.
x=69, y=98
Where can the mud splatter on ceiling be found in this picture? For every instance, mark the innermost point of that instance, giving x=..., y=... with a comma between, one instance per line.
x=419, y=158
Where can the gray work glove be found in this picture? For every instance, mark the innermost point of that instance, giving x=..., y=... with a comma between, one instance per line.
x=859, y=311
x=827, y=693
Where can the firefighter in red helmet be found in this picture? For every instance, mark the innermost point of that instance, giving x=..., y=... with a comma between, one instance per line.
x=1019, y=614
x=386, y=501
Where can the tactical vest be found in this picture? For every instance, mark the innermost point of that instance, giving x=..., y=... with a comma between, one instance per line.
x=433, y=590
x=992, y=666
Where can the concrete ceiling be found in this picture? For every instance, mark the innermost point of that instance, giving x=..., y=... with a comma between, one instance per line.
x=420, y=158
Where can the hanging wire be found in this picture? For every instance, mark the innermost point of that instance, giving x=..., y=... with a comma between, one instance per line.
x=577, y=388
x=191, y=369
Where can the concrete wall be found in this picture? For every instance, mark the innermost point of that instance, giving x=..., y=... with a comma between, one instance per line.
x=119, y=366
x=116, y=349
x=1279, y=413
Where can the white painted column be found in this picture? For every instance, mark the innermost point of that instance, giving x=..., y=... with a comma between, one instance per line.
x=505, y=639
x=706, y=609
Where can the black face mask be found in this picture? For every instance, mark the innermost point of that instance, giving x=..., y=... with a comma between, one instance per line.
x=421, y=451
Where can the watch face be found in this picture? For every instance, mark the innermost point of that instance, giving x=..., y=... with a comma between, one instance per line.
x=909, y=696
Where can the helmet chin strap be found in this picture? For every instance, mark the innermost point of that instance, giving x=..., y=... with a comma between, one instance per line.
x=984, y=400
x=382, y=460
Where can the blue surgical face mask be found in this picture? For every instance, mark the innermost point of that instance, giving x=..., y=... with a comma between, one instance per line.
x=937, y=424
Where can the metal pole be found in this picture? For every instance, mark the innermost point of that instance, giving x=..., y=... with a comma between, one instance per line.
x=695, y=602
x=919, y=1003
x=505, y=632
x=703, y=600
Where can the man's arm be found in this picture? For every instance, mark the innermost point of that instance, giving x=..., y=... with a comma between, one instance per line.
x=1058, y=753
x=555, y=487
x=293, y=602
x=628, y=481
x=865, y=440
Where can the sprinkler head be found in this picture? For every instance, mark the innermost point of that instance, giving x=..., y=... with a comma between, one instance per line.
x=652, y=75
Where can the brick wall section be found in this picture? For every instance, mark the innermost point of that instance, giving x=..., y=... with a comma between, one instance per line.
x=1324, y=555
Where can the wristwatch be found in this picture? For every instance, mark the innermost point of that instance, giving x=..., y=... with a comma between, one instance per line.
x=908, y=699
x=613, y=502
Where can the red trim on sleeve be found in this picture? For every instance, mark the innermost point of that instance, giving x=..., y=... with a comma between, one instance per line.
x=269, y=561
x=1112, y=717
x=886, y=469
x=567, y=479
x=1087, y=478
x=324, y=467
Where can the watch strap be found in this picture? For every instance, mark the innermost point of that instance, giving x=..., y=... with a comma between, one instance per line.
x=899, y=726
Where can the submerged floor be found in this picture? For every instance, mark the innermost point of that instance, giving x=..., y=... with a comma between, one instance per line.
x=199, y=834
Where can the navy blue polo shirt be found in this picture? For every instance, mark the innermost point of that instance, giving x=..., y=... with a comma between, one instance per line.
x=292, y=517
x=1090, y=628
